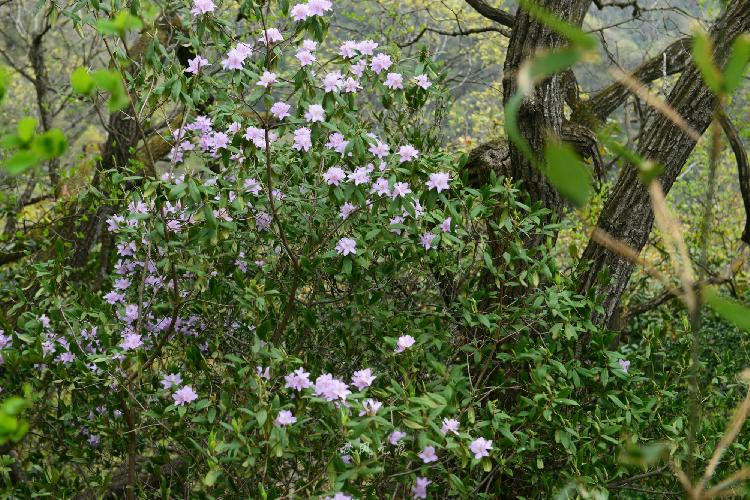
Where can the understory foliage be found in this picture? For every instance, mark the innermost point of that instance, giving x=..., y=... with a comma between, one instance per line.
x=294, y=305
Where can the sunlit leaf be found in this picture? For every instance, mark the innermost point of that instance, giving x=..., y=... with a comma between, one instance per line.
x=20, y=162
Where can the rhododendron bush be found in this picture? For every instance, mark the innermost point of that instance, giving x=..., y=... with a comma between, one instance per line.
x=291, y=310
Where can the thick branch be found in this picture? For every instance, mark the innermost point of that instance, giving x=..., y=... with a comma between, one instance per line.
x=486, y=10
x=743, y=170
x=671, y=60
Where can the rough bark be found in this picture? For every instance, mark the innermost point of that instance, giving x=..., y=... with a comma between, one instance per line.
x=627, y=214
x=541, y=113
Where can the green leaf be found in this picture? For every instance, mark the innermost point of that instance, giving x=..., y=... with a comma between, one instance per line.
x=51, y=144
x=81, y=81
x=739, y=56
x=730, y=310
x=567, y=173
x=703, y=58
x=26, y=128
x=123, y=22
x=20, y=162
x=111, y=82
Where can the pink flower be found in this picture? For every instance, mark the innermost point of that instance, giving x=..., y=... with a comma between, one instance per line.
x=361, y=175
x=195, y=64
x=450, y=425
x=337, y=142
x=480, y=447
x=624, y=364
x=202, y=7
x=252, y=186
x=319, y=7
x=300, y=12
x=428, y=454
x=330, y=388
x=280, y=110
x=407, y=153
x=298, y=380
x=333, y=81
x=439, y=181
x=302, y=139
x=305, y=57
x=310, y=45
x=396, y=436
x=184, y=395
x=172, y=380
x=271, y=35
x=367, y=47
x=404, y=342
x=400, y=190
x=333, y=176
x=370, y=407
x=422, y=81
x=285, y=418
x=346, y=210
x=380, y=187
x=380, y=63
x=419, y=490
x=267, y=79
x=380, y=149
x=234, y=60
x=131, y=341
x=445, y=226
x=362, y=378
x=426, y=240
x=394, y=81
x=348, y=49
x=359, y=68
x=346, y=246
x=351, y=85
x=114, y=297
x=315, y=113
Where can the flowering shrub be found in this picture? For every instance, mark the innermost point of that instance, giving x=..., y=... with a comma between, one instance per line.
x=293, y=307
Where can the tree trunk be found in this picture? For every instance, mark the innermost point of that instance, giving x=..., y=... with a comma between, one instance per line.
x=541, y=114
x=627, y=214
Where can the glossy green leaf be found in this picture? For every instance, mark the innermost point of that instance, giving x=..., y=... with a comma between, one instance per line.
x=567, y=173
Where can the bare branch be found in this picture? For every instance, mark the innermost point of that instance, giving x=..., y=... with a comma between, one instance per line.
x=460, y=32
x=743, y=170
x=494, y=14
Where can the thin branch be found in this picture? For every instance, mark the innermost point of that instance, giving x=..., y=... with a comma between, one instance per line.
x=460, y=32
